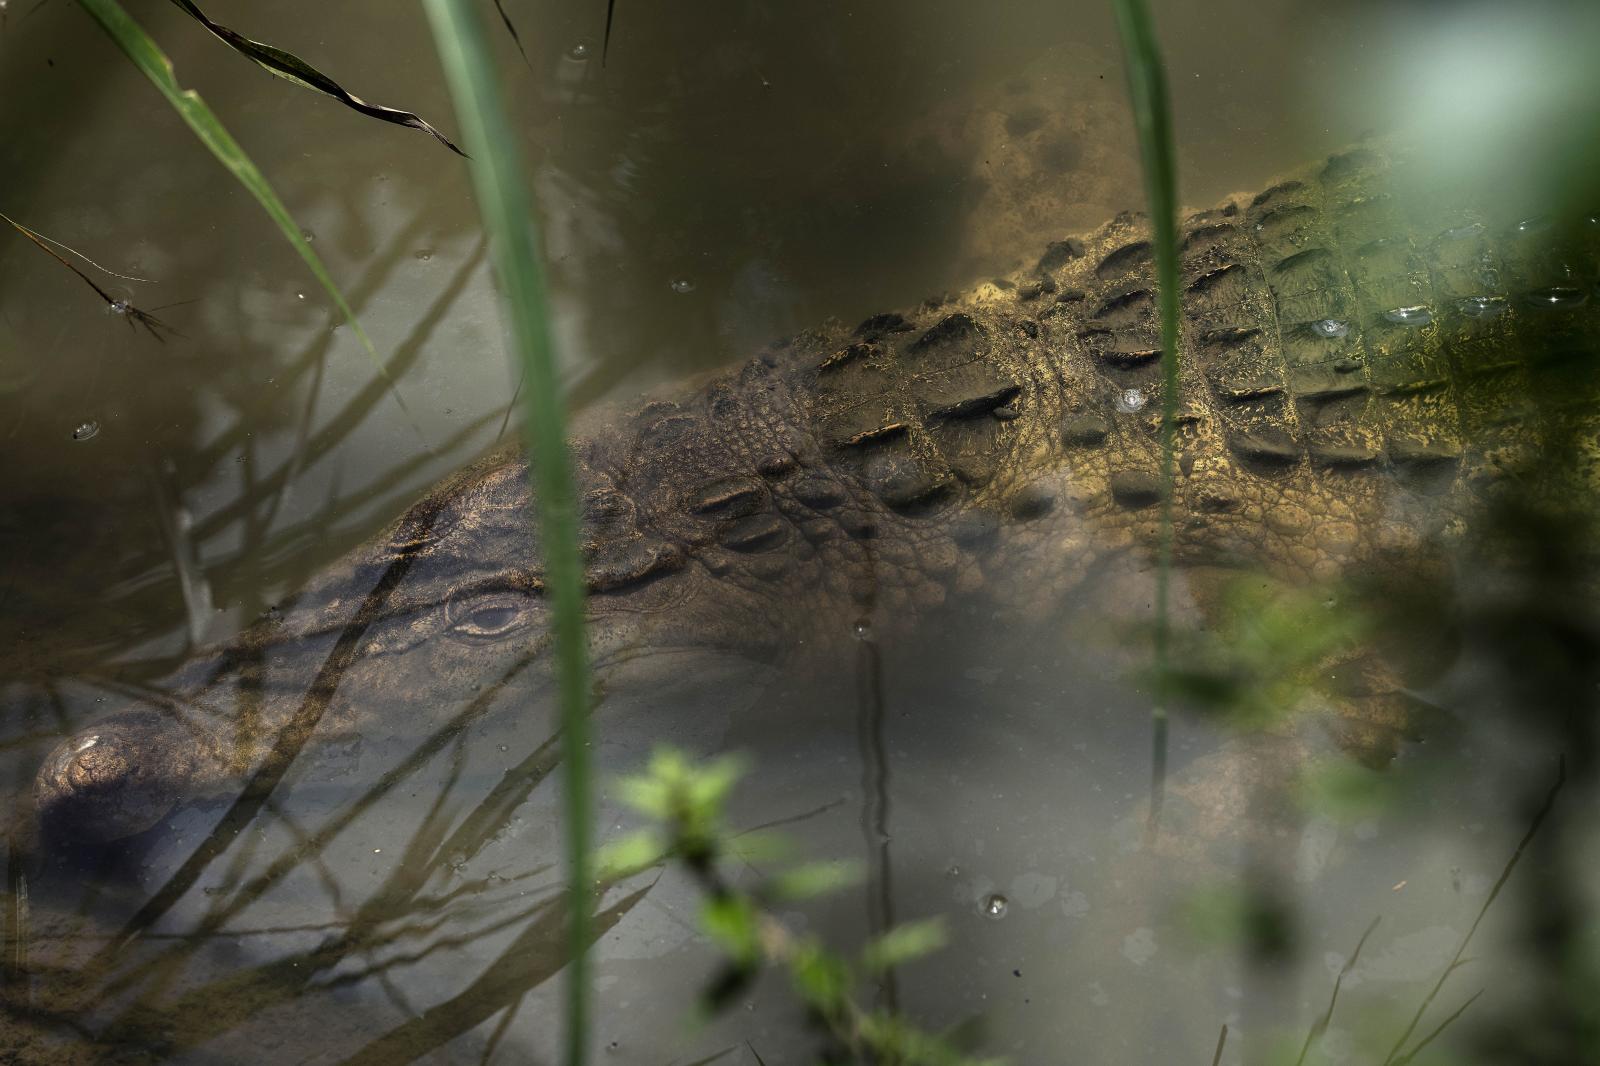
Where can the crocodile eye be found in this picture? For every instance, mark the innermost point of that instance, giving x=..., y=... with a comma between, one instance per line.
x=489, y=617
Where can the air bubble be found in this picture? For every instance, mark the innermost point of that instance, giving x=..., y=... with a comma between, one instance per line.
x=308, y=235
x=424, y=254
x=1332, y=328
x=1481, y=306
x=682, y=286
x=995, y=906
x=1415, y=315
x=581, y=50
x=86, y=430
x=862, y=629
x=1131, y=400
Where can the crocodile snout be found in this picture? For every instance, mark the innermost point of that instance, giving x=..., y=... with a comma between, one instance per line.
x=119, y=776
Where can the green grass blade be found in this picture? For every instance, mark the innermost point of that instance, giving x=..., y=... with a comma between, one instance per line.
x=503, y=201
x=148, y=57
x=292, y=68
x=1147, y=89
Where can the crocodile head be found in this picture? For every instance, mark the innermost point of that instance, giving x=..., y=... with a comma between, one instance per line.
x=444, y=617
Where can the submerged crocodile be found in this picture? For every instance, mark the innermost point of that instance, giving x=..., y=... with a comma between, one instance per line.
x=1355, y=378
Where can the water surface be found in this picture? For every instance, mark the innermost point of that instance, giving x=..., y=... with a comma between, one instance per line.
x=729, y=175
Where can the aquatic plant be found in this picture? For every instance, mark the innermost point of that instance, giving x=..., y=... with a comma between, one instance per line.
x=502, y=193
x=687, y=802
x=1152, y=112
x=145, y=54
x=293, y=69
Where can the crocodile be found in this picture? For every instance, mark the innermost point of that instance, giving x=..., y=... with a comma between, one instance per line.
x=1357, y=375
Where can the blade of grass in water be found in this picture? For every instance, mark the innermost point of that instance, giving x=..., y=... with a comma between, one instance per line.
x=1147, y=89
x=507, y=212
x=292, y=68
x=148, y=57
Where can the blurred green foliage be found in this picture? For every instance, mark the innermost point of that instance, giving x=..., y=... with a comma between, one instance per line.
x=1268, y=649
x=688, y=801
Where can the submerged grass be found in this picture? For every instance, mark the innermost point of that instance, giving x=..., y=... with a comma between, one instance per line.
x=503, y=201
x=1147, y=91
x=148, y=57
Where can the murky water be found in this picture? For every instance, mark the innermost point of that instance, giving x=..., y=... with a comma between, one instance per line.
x=727, y=176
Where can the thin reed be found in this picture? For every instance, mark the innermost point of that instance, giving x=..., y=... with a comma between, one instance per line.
x=507, y=211
x=1147, y=91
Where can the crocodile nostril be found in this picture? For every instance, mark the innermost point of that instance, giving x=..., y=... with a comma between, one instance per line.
x=91, y=763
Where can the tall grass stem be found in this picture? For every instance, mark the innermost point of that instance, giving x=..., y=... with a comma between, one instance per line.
x=1152, y=113
x=507, y=210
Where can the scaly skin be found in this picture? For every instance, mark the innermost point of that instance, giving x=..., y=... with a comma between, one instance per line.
x=1353, y=381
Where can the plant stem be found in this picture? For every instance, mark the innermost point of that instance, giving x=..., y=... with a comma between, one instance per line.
x=508, y=217
x=1147, y=90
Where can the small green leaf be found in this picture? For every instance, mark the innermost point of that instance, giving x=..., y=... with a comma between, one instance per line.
x=757, y=846
x=894, y=1039
x=630, y=854
x=821, y=978
x=647, y=795
x=815, y=879
x=1346, y=791
x=730, y=921
x=711, y=783
x=902, y=944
